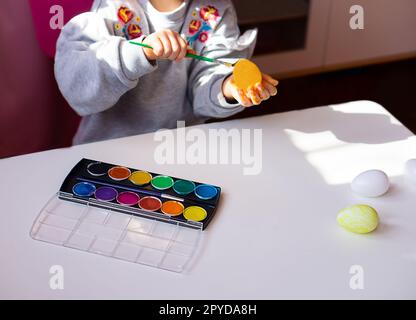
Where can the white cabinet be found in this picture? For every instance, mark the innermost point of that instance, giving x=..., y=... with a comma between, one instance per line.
x=312, y=55
x=389, y=31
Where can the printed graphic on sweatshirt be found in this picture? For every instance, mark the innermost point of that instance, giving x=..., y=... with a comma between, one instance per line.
x=128, y=24
x=202, y=25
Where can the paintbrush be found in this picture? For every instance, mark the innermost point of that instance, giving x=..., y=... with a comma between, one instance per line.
x=190, y=55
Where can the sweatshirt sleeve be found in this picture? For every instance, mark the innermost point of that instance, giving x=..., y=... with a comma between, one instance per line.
x=206, y=79
x=94, y=68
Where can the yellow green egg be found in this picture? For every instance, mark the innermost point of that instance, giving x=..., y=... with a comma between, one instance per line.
x=358, y=219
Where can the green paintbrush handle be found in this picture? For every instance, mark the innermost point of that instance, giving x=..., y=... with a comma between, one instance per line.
x=189, y=55
x=201, y=58
x=141, y=44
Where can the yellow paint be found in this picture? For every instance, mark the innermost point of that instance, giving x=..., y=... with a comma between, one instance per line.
x=246, y=74
x=195, y=213
x=358, y=219
x=140, y=178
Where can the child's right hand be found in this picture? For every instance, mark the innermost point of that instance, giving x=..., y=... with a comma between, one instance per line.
x=166, y=44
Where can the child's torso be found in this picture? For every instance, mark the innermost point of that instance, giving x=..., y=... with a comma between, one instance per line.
x=161, y=98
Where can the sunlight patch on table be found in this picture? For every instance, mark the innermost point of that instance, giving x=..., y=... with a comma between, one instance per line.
x=339, y=162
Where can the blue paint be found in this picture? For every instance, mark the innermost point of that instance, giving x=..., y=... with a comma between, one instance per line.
x=83, y=189
x=206, y=192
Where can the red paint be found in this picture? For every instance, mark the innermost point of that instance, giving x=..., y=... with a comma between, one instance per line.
x=150, y=204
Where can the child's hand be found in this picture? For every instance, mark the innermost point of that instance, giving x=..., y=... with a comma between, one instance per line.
x=253, y=96
x=167, y=44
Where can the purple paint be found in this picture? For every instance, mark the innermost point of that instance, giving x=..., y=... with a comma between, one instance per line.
x=106, y=194
x=128, y=199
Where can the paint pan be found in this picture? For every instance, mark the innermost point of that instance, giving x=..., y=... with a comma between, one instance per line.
x=162, y=182
x=106, y=194
x=206, y=192
x=83, y=189
x=195, y=213
x=150, y=204
x=119, y=173
x=183, y=187
x=172, y=208
x=128, y=198
x=97, y=169
x=140, y=178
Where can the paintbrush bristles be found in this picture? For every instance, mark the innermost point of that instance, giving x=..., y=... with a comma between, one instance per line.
x=227, y=64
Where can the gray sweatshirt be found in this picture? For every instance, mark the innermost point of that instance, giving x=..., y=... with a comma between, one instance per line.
x=118, y=92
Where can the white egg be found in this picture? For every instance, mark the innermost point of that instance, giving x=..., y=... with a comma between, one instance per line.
x=372, y=183
x=411, y=171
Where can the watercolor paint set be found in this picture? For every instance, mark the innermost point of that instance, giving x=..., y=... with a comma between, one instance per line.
x=129, y=214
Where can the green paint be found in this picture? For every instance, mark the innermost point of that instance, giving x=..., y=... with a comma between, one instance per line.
x=184, y=187
x=162, y=182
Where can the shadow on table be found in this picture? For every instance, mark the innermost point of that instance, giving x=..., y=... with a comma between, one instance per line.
x=367, y=128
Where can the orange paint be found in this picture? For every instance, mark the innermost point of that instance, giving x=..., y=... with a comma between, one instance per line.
x=119, y=173
x=172, y=208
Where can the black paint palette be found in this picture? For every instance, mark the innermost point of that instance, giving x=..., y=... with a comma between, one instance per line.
x=131, y=190
x=128, y=214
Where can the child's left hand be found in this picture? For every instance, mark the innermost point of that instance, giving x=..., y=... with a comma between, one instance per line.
x=254, y=95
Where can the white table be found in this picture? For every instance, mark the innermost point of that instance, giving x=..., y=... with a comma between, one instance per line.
x=252, y=250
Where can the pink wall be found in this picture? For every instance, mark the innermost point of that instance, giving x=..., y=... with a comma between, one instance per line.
x=33, y=114
x=41, y=12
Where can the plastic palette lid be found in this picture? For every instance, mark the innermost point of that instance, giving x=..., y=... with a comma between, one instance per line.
x=132, y=235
